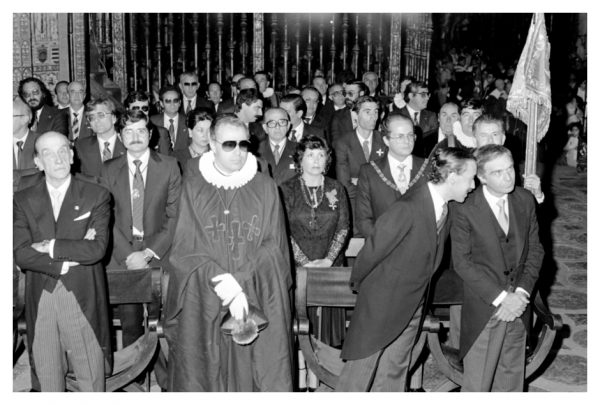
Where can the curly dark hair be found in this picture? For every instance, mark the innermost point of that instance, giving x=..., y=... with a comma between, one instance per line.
x=448, y=160
x=311, y=142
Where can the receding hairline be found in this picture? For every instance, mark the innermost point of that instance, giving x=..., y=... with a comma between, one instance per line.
x=48, y=135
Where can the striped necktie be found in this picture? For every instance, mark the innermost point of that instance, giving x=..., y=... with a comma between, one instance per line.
x=172, y=133
x=106, y=153
x=75, y=126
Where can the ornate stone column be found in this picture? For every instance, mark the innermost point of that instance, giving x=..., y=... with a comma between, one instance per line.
x=258, y=42
x=119, y=54
x=395, y=53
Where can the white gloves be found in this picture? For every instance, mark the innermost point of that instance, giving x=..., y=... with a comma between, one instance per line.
x=230, y=293
x=239, y=306
x=226, y=287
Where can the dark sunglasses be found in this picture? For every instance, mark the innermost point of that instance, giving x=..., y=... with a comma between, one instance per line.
x=137, y=107
x=168, y=101
x=191, y=84
x=228, y=146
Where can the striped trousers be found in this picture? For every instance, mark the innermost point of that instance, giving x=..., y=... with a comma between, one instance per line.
x=63, y=337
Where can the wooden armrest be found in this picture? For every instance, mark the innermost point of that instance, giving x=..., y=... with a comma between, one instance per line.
x=553, y=321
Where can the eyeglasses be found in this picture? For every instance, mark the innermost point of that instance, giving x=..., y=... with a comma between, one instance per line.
x=18, y=115
x=144, y=108
x=338, y=93
x=228, y=146
x=98, y=116
x=80, y=92
x=350, y=93
x=406, y=137
x=278, y=123
x=423, y=94
x=32, y=93
x=191, y=84
x=137, y=131
x=169, y=101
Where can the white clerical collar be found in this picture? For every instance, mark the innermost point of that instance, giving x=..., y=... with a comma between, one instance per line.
x=235, y=180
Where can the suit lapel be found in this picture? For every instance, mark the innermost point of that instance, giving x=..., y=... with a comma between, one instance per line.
x=356, y=148
x=120, y=149
x=377, y=146
x=123, y=189
x=69, y=209
x=43, y=206
x=151, y=183
x=182, y=133
x=516, y=222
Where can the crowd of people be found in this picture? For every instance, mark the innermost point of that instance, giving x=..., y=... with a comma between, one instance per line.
x=229, y=194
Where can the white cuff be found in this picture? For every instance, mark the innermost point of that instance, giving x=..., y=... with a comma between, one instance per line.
x=522, y=290
x=499, y=298
x=51, y=248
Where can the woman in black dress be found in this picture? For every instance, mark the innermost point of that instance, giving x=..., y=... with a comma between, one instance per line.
x=318, y=216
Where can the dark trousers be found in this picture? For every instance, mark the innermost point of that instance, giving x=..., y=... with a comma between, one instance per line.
x=132, y=322
x=385, y=370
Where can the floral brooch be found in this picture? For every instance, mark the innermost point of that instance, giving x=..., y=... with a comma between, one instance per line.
x=331, y=197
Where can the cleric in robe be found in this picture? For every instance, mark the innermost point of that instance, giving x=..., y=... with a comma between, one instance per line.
x=230, y=255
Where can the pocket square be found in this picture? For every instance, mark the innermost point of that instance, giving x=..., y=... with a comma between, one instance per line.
x=84, y=216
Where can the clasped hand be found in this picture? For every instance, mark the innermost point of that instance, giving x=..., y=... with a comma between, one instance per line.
x=44, y=247
x=512, y=307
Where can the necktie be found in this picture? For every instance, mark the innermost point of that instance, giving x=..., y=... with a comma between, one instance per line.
x=55, y=194
x=35, y=122
x=276, y=154
x=106, y=153
x=416, y=118
x=307, y=120
x=451, y=141
x=502, y=217
x=137, y=198
x=402, y=180
x=188, y=108
x=293, y=136
x=19, y=151
x=440, y=222
x=365, y=148
x=172, y=133
x=75, y=126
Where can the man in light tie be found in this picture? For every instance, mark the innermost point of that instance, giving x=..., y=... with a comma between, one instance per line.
x=60, y=230
x=497, y=253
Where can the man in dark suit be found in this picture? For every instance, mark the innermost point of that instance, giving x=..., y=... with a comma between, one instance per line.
x=215, y=95
x=249, y=109
x=392, y=272
x=79, y=126
x=60, y=237
x=91, y=152
x=355, y=148
x=62, y=94
x=295, y=106
x=383, y=181
x=171, y=118
x=277, y=150
x=160, y=140
x=188, y=93
x=145, y=187
x=497, y=253
x=488, y=129
x=342, y=121
x=23, y=139
x=46, y=117
x=445, y=135
x=416, y=96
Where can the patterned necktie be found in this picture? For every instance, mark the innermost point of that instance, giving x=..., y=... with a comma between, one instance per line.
x=75, y=126
x=55, y=194
x=402, y=180
x=440, y=222
x=172, y=133
x=19, y=153
x=189, y=107
x=416, y=118
x=502, y=217
x=276, y=153
x=365, y=148
x=137, y=198
x=106, y=153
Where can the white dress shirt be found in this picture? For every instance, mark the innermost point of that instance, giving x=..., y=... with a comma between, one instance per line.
x=16, y=147
x=299, y=132
x=438, y=201
x=394, y=163
x=111, y=144
x=167, y=123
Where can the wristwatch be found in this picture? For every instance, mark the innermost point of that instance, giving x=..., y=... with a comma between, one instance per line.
x=148, y=255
